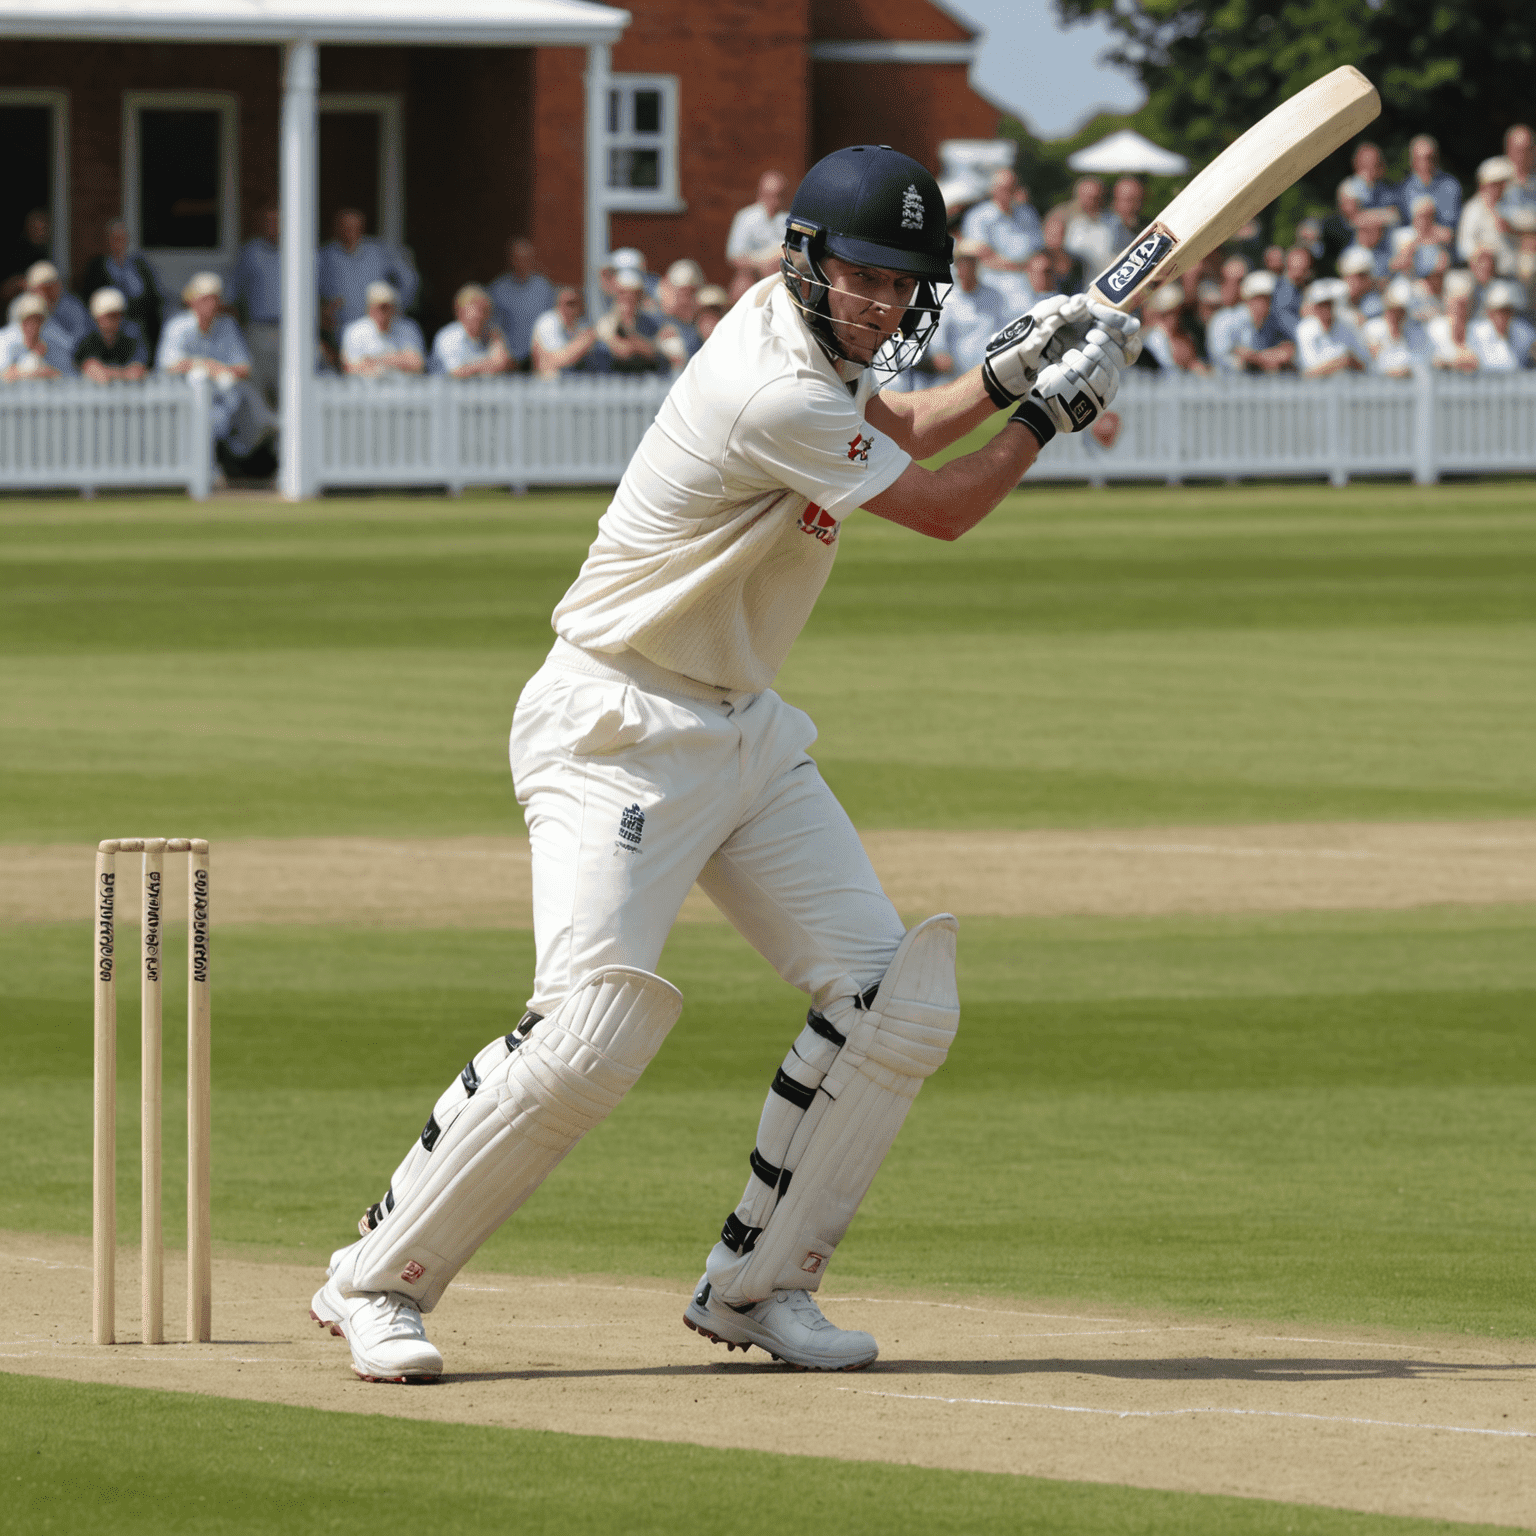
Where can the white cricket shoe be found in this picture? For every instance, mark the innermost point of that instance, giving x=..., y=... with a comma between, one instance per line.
x=388, y=1339
x=789, y=1325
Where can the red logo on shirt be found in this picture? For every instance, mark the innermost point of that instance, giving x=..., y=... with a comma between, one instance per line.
x=820, y=525
x=859, y=446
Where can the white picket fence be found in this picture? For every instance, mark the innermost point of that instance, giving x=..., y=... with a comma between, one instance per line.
x=581, y=431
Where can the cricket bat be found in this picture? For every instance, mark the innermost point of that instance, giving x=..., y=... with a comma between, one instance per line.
x=1246, y=176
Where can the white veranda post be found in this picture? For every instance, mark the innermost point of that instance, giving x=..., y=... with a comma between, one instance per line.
x=595, y=239
x=300, y=201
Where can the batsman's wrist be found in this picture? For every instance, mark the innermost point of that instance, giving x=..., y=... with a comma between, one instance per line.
x=1001, y=398
x=1033, y=417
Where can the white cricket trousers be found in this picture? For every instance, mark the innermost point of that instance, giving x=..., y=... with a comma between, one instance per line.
x=637, y=782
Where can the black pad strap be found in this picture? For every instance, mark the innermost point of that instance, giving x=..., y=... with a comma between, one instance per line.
x=523, y=1029
x=470, y=1078
x=819, y=1026
x=738, y=1236
x=787, y=1088
x=430, y=1132
x=765, y=1170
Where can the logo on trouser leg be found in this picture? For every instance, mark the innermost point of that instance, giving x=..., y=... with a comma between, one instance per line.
x=814, y=1263
x=631, y=830
x=412, y=1272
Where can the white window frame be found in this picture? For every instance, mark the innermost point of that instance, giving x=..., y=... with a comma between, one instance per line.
x=391, y=197
x=58, y=184
x=667, y=198
x=177, y=265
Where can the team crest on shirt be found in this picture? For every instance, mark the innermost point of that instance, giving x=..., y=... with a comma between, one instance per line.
x=858, y=448
x=820, y=525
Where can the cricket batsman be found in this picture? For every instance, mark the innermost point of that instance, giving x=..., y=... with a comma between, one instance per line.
x=650, y=751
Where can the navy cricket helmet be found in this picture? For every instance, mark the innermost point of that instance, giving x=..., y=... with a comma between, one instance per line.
x=872, y=205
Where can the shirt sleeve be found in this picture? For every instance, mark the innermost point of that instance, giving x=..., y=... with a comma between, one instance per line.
x=808, y=436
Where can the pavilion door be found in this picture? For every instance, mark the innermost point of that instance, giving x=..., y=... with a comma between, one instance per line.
x=361, y=163
x=34, y=134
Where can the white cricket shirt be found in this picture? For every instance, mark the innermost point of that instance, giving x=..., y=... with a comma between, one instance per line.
x=723, y=530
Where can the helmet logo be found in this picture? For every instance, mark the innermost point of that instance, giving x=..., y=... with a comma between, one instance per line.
x=911, y=208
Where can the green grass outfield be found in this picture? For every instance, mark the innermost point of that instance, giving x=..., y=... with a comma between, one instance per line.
x=1295, y=1116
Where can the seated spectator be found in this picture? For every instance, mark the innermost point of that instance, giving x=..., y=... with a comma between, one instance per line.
x=1426, y=179
x=1273, y=260
x=629, y=258
x=563, y=342
x=1341, y=226
x=351, y=263
x=384, y=341
x=1361, y=300
x=1066, y=271
x=1413, y=245
x=520, y=295
x=1259, y=341
x=1429, y=290
x=1207, y=306
x=1092, y=232
x=34, y=244
x=1008, y=228
x=973, y=311
x=203, y=342
x=1448, y=332
x=1500, y=336
x=256, y=292
x=1229, y=312
x=632, y=337
x=1040, y=278
x=1326, y=345
x=1481, y=222
x=109, y=352
x=1293, y=280
x=1376, y=196
x=1396, y=341
x=679, y=297
x=66, y=314
x=713, y=303
x=1163, y=337
x=1125, y=208
x=130, y=272
x=25, y=352
x=1309, y=232
x=757, y=231
x=1520, y=191
x=470, y=346
x=1483, y=267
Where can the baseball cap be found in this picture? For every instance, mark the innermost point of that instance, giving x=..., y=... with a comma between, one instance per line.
x=1169, y=297
x=201, y=285
x=381, y=293
x=1502, y=295
x=1495, y=168
x=30, y=304
x=686, y=273
x=630, y=280
x=713, y=296
x=1398, y=294
x=972, y=248
x=1320, y=292
x=106, y=301
x=1256, y=283
x=1356, y=260
x=41, y=272
x=627, y=259
x=1460, y=284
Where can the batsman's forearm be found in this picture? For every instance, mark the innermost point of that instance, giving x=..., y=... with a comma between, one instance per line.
x=932, y=419
x=947, y=502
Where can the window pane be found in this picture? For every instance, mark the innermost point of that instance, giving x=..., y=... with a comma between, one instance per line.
x=615, y=112
x=25, y=178
x=639, y=169
x=647, y=111
x=179, y=179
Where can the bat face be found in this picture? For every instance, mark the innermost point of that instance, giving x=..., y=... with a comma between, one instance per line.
x=1245, y=177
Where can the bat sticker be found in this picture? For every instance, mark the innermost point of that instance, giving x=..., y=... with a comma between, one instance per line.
x=1135, y=265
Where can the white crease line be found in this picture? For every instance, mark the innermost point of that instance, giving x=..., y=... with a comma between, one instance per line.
x=1236, y=850
x=955, y=1306
x=1175, y=1413
x=27, y=1258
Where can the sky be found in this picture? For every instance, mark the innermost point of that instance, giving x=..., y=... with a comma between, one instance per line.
x=1048, y=74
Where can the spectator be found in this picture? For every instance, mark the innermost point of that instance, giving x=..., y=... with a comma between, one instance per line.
x=1008, y=228
x=1163, y=338
x=1448, y=332
x=66, y=314
x=1429, y=291
x=25, y=352
x=470, y=346
x=1041, y=278
x=563, y=342
x=1294, y=277
x=30, y=247
x=1501, y=338
x=1326, y=345
x=1220, y=328
x=1207, y=306
x=1361, y=301
x=1413, y=246
x=1481, y=222
x=520, y=295
x=1483, y=267
x=1091, y=231
x=109, y=352
x=1376, y=196
x=1259, y=341
x=713, y=303
x=1309, y=232
x=629, y=258
x=973, y=311
x=1125, y=209
x=1373, y=240
x=679, y=296
x=1273, y=260
x=1066, y=271
x=202, y=341
x=1426, y=179
x=1520, y=193
x=383, y=341
x=256, y=292
x=130, y=272
x=632, y=337
x=757, y=231
x=350, y=264
x=1396, y=341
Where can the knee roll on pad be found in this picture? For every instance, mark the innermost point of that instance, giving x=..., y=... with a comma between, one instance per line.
x=800, y=1201
x=533, y=1099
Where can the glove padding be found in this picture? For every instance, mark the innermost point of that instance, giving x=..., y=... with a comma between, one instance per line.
x=1017, y=353
x=1075, y=392
x=1110, y=325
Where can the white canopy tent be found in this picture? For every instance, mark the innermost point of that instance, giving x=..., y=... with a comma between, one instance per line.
x=300, y=27
x=1127, y=153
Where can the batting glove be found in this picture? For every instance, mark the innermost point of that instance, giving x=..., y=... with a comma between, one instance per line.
x=1073, y=393
x=1124, y=330
x=1017, y=353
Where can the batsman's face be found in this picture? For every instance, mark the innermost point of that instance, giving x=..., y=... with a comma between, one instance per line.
x=866, y=305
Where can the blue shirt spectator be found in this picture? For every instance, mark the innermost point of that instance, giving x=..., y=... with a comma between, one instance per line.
x=520, y=295
x=1286, y=302
x=26, y=348
x=1006, y=223
x=564, y=342
x=1520, y=151
x=350, y=262
x=1376, y=196
x=1426, y=179
x=256, y=284
x=972, y=313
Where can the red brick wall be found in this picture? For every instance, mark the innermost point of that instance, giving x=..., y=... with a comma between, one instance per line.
x=906, y=20
x=911, y=107
x=559, y=161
